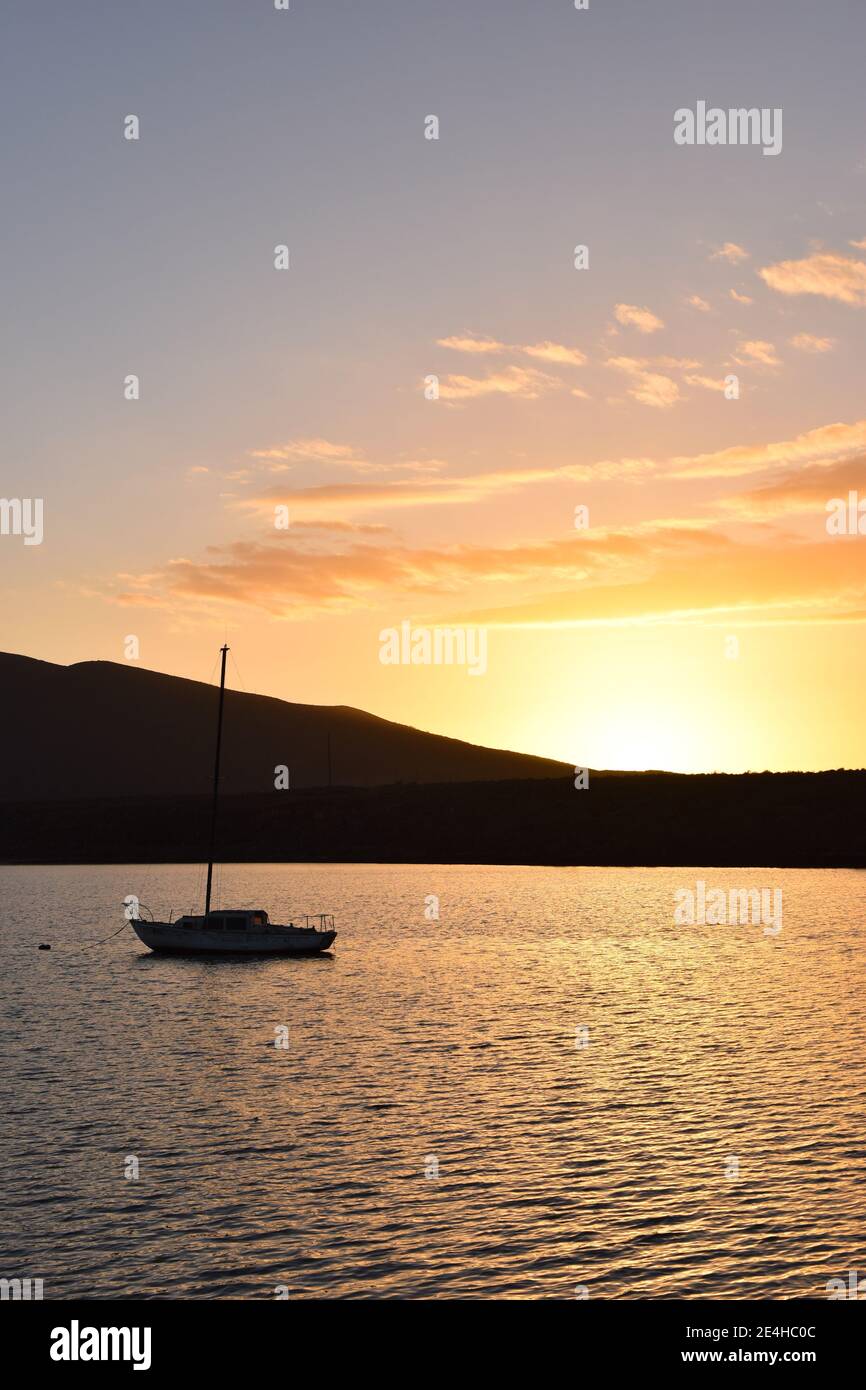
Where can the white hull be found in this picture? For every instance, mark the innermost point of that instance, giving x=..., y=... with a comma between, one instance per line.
x=271, y=940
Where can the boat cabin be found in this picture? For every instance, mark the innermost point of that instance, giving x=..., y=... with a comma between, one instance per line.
x=229, y=919
x=255, y=919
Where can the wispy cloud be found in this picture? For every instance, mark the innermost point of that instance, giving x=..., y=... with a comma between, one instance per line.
x=807, y=342
x=730, y=252
x=806, y=489
x=324, y=452
x=557, y=353
x=675, y=570
x=709, y=383
x=647, y=386
x=286, y=580
x=312, y=450
x=823, y=445
x=697, y=302
x=350, y=498
x=644, y=320
x=523, y=383
x=741, y=298
x=756, y=350
x=827, y=273
x=471, y=342
x=713, y=581
x=317, y=449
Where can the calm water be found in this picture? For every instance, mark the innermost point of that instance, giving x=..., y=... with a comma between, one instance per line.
x=424, y=1043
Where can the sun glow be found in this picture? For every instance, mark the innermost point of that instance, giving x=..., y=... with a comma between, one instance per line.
x=630, y=736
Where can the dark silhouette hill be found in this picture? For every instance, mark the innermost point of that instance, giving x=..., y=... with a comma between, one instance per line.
x=99, y=729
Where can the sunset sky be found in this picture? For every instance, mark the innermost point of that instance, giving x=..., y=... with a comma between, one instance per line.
x=608, y=646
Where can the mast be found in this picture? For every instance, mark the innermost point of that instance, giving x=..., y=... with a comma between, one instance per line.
x=216, y=782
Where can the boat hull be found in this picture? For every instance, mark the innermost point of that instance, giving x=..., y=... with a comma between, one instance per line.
x=170, y=939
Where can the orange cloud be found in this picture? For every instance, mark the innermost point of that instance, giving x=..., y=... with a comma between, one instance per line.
x=730, y=252
x=807, y=342
x=317, y=449
x=556, y=352
x=756, y=350
x=753, y=584
x=804, y=490
x=648, y=387
x=290, y=579
x=642, y=319
x=674, y=570
x=471, y=342
x=546, y=352
x=709, y=383
x=524, y=383
x=322, y=451
x=349, y=498
x=823, y=445
x=827, y=273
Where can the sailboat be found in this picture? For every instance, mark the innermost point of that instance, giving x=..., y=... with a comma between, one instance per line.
x=236, y=930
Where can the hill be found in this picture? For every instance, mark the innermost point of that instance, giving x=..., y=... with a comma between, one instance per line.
x=97, y=729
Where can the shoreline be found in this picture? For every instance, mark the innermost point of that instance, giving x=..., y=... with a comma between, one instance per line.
x=621, y=820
